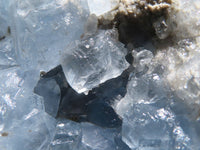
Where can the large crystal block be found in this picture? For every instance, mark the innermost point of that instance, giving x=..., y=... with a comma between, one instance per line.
x=94, y=60
x=155, y=119
x=34, y=130
x=142, y=60
x=147, y=127
x=160, y=91
x=8, y=89
x=23, y=122
x=146, y=89
x=45, y=28
x=85, y=136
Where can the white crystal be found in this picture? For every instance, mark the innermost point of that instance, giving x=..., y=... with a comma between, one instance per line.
x=99, y=7
x=23, y=122
x=85, y=136
x=146, y=89
x=153, y=118
x=92, y=61
x=91, y=25
x=150, y=128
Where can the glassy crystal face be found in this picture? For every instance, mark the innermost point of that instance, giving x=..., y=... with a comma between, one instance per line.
x=150, y=120
x=68, y=135
x=94, y=60
x=34, y=130
x=45, y=28
x=98, y=138
x=67, y=81
x=23, y=122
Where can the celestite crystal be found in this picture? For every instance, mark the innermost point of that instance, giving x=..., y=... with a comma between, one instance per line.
x=150, y=120
x=93, y=60
x=100, y=75
x=45, y=28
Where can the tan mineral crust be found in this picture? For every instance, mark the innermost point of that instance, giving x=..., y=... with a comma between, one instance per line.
x=136, y=7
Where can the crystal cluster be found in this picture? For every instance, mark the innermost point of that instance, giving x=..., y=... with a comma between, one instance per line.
x=151, y=119
x=99, y=75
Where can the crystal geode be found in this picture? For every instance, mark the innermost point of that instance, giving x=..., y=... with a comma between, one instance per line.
x=100, y=75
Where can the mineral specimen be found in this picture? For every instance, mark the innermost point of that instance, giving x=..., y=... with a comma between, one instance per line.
x=99, y=75
x=45, y=29
x=93, y=60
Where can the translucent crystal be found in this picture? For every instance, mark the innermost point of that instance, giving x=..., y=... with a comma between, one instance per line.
x=35, y=129
x=44, y=29
x=22, y=113
x=146, y=89
x=160, y=110
x=98, y=138
x=148, y=127
x=153, y=118
x=68, y=136
x=85, y=136
x=142, y=60
x=7, y=54
x=94, y=60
